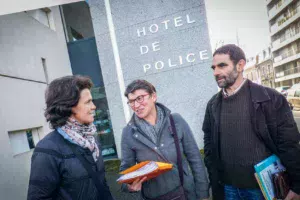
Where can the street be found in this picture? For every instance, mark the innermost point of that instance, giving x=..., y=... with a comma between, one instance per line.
x=297, y=118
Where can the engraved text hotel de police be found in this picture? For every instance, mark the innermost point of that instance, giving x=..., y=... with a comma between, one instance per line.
x=189, y=57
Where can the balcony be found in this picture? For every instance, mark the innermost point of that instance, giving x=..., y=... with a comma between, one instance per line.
x=285, y=40
x=281, y=5
x=286, y=57
x=287, y=74
x=267, y=76
x=268, y=2
x=284, y=22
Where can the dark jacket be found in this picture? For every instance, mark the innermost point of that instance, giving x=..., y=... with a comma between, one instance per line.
x=273, y=122
x=56, y=173
x=137, y=147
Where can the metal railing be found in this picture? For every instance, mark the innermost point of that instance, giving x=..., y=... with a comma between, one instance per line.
x=284, y=37
x=276, y=7
x=292, y=33
x=286, y=55
x=288, y=72
x=282, y=21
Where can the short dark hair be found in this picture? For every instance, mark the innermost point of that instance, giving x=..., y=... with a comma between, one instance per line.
x=139, y=84
x=61, y=95
x=235, y=53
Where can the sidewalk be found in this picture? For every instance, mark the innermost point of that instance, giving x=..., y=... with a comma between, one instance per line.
x=112, y=169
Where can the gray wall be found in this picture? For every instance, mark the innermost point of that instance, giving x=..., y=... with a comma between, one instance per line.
x=184, y=88
x=23, y=41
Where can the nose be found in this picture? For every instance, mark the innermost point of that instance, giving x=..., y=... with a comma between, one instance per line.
x=138, y=104
x=93, y=106
x=216, y=72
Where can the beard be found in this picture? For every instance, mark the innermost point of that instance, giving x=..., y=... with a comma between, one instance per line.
x=227, y=80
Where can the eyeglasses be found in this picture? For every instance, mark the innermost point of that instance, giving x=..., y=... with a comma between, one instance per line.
x=139, y=99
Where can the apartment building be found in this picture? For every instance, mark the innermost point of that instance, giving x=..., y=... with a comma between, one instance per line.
x=264, y=67
x=284, y=22
x=250, y=70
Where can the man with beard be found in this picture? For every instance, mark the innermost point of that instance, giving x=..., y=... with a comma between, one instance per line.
x=244, y=124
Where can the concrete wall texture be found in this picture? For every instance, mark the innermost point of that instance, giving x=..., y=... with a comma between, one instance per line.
x=23, y=42
x=164, y=42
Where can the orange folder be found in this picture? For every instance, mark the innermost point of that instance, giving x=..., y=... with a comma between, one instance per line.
x=150, y=169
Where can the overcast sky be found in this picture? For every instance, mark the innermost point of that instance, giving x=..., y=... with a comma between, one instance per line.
x=249, y=19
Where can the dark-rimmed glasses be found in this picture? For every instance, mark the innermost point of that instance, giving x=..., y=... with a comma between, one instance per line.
x=139, y=99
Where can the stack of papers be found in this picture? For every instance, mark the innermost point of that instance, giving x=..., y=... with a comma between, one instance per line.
x=149, y=169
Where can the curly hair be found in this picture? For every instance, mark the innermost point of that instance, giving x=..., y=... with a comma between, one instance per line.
x=235, y=53
x=139, y=84
x=61, y=95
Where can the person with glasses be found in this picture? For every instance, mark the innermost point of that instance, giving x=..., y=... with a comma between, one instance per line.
x=149, y=136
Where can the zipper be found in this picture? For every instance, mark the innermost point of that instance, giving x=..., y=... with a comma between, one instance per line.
x=175, y=198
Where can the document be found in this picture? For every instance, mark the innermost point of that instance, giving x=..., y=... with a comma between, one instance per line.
x=264, y=172
x=150, y=169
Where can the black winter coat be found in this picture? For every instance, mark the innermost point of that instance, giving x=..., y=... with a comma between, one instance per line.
x=56, y=173
x=273, y=122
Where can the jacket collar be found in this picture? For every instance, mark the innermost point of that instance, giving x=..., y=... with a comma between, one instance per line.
x=141, y=136
x=258, y=93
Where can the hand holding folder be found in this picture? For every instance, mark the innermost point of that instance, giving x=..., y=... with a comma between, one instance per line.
x=148, y=169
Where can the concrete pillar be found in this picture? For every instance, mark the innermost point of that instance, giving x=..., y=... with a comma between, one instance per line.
x=164, y=42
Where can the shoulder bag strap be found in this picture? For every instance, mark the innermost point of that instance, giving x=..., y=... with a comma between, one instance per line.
x=103, y=190
x=178, y=152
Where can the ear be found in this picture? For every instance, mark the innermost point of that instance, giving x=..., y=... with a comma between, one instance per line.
x=73, y=109
x=154, y=96
x=241, y=65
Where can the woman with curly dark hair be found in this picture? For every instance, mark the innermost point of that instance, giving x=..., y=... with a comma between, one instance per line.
x=67, y=163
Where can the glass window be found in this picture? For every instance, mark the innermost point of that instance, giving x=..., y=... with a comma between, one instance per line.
x=30, y=139
x=75, y=35
x=103, y=123
x=22, y=141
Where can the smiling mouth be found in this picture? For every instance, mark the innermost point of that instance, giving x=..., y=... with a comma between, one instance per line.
x=220, y=78
x=93, y=113
x=138, y=111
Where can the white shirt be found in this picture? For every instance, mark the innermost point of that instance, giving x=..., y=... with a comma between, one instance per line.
x=235, y=91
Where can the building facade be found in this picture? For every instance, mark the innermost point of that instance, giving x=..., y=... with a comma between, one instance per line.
x=164, y=42
x=250, y=70
x=284, y=24
x=33, y=52
x=264, y=67
x=113, y=42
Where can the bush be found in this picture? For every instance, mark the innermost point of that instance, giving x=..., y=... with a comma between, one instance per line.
x=112, y=165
